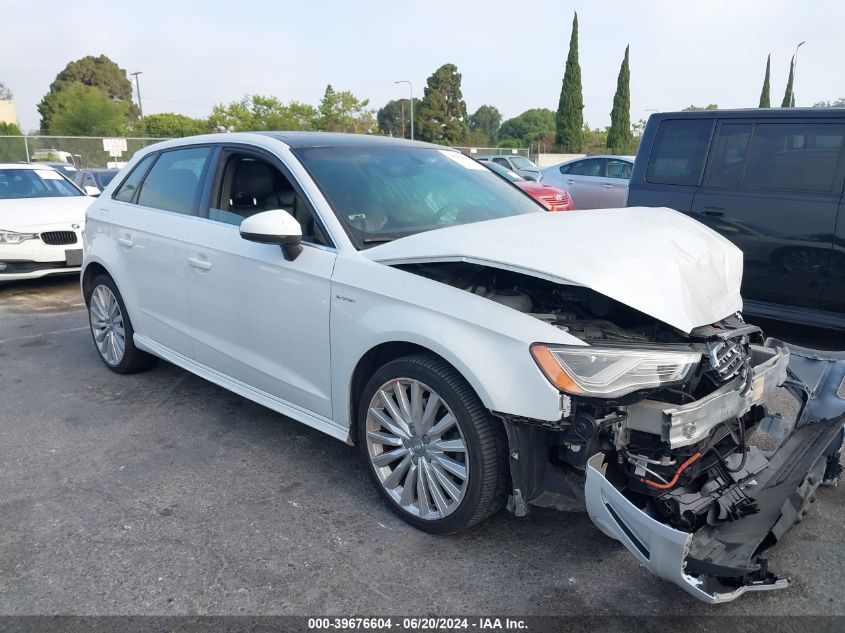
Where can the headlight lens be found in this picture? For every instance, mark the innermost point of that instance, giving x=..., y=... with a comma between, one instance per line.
x=610, y=372
x=10, y=237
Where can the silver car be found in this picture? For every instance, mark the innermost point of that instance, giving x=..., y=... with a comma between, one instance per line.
x=521, y=165
x=595, y=182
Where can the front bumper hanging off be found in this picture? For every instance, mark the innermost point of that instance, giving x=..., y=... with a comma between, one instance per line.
x=720, y=562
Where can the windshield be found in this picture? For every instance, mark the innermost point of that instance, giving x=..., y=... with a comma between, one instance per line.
x=507, y=174
x=383, y=193
x=103, y=178
x=520, y=162
x=35, y=183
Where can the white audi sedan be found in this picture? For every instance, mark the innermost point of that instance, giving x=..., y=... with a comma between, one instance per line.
x=41, y=218
x=480, y=352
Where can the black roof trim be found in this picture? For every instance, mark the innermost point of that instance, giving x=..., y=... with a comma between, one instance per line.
x=335, y=139
x=757, y=113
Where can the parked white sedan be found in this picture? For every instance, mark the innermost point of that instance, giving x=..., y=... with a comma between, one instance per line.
x=41, y=219
x=480, y=351
x=594, y=182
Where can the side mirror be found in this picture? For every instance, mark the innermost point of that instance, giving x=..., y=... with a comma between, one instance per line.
x=274, y=227
x=91, y=190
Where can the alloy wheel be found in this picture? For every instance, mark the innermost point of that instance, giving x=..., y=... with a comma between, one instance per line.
x=417, y=448
x=107, y=325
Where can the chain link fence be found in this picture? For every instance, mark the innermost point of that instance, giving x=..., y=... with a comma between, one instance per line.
x=81, y=151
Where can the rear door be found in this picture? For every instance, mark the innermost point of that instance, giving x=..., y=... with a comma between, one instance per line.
x=833, y=297
x=152, y=220
x=615, y=185
x=773, y=188
x=584, y=180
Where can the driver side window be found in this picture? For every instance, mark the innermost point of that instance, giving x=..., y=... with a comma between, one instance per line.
x=251, y=185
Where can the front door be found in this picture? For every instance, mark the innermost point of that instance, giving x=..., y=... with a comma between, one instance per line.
x=584, y=180
x=258, y=318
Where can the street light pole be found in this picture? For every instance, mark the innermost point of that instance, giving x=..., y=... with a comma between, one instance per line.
x=138, y=90
x=795, y=71
x=411, y=86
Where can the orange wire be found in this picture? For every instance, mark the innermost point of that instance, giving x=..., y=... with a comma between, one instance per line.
x=674, y=479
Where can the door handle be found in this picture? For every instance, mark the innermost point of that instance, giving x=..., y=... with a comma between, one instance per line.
x=126, y=241
x=607, y=186
x=713, y=212
x=569, y=182
x=200, y=264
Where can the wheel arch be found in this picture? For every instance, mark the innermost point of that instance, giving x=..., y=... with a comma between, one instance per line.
x=91, y=272
x=374, y=358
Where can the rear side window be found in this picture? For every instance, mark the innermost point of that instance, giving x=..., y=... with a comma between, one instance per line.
x=794, y=156
x=173, y=183
x=679, y=151
x=588, y=167
x=730, y=150
x=127, y=189
x=619, y=169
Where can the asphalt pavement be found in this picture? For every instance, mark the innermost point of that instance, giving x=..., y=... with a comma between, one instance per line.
x=160, y=493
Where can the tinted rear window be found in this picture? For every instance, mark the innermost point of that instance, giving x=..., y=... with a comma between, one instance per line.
x=794, y=156
x=174, y=180
x=729, y=152
x=679, y=151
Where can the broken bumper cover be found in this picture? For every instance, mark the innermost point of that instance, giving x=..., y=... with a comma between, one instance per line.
x=719, y=563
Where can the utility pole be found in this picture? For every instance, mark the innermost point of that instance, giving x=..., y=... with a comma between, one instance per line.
x=795, y=71
x=138, y=90
x=411, y=86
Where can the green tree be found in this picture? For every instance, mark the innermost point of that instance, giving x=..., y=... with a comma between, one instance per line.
x=695, y=108
x=172, y=125
x=595, y=139
x=344, y=112
x=789, y=95
x=443, y=111
x=9, y=129
x=838, y=103
x=527, y=128
x=620, y=139
x=97, y=72
x=259, y=112
x=764, y=95
x=81, y=110
x=570, y=109
x=394, y=119
x=484, y=124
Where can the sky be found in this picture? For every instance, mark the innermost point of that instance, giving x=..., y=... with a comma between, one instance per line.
x=511, y=54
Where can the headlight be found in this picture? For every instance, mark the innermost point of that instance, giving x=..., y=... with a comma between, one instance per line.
x=10, y=237
x=608, y=372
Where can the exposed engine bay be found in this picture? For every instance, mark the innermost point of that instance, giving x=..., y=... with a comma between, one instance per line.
x=678, y=462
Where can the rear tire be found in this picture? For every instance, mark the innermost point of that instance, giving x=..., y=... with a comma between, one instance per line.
x=112, y=329
x=439, y=473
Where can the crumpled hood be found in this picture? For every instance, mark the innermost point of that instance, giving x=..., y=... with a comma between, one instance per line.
x=27, y=214
x=655, y=260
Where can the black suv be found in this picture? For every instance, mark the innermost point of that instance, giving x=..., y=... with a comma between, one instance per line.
x=769, y=180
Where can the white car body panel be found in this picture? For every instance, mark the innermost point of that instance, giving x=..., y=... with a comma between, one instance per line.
x=39, y=215
x=701, y=288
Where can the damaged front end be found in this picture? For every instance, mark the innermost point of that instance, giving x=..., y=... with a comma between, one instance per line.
x=696, y=448
x=708, y=532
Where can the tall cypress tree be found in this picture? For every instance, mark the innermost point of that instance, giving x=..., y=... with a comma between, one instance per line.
x=619, y=136
x=788, y=101
x=764, y=95
x=569, y=132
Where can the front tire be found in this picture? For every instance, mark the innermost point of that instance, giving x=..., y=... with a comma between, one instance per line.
x=112, y=330
x=434, y=452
